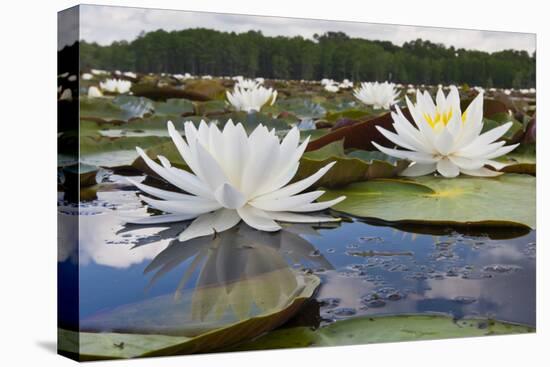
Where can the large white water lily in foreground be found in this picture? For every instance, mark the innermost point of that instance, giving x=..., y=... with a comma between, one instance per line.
x=235, y=176
x=116, y=85
x=251, y=99
x=444, y=139
x=377, y=95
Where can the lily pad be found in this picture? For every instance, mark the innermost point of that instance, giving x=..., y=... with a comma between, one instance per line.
x=359, y=135
x=506, y=200
x=383, y=329
x=120, y=108
x=347, y=169
x=96, y=346
x=352, y=114
x=174, y=106
x=513, y=134
x=109, y=152
x=521, y=160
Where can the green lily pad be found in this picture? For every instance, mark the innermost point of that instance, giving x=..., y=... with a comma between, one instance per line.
x=506, y=200
x=512, y=134
x=120, y=108
x=521, y=160
x=383, y=329
x=109, y=152
x=353, y=114
x=174, y=106
x=97, y=346
x=216, y=107
x=205, y=90
x=301, y=107
x=364, y=166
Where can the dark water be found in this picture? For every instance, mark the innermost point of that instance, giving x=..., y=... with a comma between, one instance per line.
x=140, y=279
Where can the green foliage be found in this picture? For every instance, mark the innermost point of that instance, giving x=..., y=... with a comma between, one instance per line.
x=331, y=55
x=382, y=329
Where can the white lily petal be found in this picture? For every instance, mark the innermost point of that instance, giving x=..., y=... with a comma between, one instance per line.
x=229, y=196
x=418, y=157
x=394, y=138
x=322, y=205
x=208, y=224
x=447, y=168
x=158, y=219
x=161, y=194
x=258, y=219
x=212, y=173
x=418, y=169
x=466, y=163
x=496, y=165
x=491, y=135
x=444, y=142
x=501, y=151
x=300, y=218
x=185, y=183
x=286, y=203
x=481, y=172
x=194, y=206
x=298, y=186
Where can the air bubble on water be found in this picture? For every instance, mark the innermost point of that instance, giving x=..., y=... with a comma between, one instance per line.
x=371, y=239
x=501, y=268
x=329, y=303
x=331, y=250
x=342, y=312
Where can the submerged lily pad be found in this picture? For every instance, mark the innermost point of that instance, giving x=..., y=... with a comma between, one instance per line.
x=383, y=329
x=110, y=152
x=120, y=108
x=360, y=167
x=505, y=200
x=96, y=346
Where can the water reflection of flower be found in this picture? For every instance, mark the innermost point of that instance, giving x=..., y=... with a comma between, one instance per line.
x=241, y=270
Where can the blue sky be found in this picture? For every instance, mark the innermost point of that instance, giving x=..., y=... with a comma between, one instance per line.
x=105, y=24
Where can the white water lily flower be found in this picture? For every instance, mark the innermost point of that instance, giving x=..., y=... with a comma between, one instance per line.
x=206, y=77
x=247, y=84
x=87, y=76
x=444, y=139
x=116, y=85
x=98, y=72
x=251, y=99
x=130, y=74
x=234, y=177
x=260, y=80
x=346, y=84
x=94, y=92
x=326, y=81
x=377, y=95
x=333, y=88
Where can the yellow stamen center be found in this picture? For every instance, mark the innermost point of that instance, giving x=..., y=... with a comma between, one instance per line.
x=441, y=118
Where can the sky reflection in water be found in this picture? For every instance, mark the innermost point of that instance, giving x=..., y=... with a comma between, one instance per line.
x=140, y=279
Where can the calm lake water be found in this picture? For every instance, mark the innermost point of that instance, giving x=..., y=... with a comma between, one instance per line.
x=141, y=279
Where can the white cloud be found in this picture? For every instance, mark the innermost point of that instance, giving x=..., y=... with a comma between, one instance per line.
x=105, y=24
